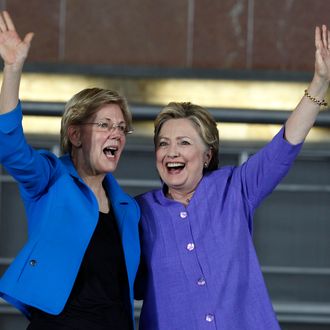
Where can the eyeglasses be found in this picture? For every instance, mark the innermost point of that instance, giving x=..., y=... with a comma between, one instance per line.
x=109, y=127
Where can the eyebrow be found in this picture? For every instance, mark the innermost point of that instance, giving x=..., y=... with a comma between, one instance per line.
x=177, y=138
x=109, y=119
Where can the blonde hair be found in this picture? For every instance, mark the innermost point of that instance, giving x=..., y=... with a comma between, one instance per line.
x=201, y=119
x=83, y=105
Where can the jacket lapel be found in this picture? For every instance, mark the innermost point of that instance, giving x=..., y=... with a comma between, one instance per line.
x=119, y=202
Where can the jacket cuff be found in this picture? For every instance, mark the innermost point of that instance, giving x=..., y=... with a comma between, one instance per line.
x=285, y=152
x=11, y=120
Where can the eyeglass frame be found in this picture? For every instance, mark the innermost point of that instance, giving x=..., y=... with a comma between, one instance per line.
x=112, y=127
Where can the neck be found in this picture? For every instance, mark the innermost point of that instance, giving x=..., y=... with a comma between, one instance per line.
x=95, y=183
x=180, y=196
x=89, y=176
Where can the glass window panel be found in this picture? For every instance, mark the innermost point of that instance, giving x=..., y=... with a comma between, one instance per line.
x=298, y=287
x=13, y=225
x=310, y=170
x=292, y=229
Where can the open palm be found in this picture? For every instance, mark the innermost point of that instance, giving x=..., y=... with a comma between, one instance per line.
x=322, y=56
x=13, y=49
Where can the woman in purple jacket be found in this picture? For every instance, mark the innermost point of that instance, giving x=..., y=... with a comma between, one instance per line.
x=199, y=267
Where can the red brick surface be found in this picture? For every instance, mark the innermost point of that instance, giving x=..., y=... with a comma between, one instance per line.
x=227, y=34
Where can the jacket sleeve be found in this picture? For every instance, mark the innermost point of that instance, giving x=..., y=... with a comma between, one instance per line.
x=261, y=173
x=31, y=169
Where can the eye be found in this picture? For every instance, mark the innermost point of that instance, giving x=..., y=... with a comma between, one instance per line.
x=185, y=143
x=103, y=125
x=162, y=143
x=122, y=128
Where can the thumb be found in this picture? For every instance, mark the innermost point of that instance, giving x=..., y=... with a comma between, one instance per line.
x=28, y=38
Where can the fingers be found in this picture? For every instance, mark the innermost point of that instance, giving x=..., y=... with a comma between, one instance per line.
x=325, y=36
x=3, y=26
x=8, y=21
x=7, y=24
x=322, y=38
x=318, y=41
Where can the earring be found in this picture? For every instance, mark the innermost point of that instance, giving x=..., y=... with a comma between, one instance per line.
x=79, y=144
x=206, y=165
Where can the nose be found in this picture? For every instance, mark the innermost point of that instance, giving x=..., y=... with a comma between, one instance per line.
x=115, y=129
x=115, y=133
x=173, y=152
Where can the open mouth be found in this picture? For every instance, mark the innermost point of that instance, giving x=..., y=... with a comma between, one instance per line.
x=110, y=151
x=175, y=167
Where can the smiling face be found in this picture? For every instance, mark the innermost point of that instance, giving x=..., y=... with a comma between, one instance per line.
x=181, y=155
x=97, y=150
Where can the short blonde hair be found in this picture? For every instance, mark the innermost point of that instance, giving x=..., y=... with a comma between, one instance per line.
x=203, y=121
x=83, y=105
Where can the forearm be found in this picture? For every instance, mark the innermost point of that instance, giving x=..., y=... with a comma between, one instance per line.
x=303, y=117
x=10, y=88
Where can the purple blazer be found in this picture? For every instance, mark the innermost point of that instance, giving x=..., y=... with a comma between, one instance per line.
x=199, y=266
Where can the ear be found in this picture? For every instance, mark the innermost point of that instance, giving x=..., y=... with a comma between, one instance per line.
x=208, y=155
x=74, y=135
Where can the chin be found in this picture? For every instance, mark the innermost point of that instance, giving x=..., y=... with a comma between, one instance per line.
x=109, y=169
x=174, y=184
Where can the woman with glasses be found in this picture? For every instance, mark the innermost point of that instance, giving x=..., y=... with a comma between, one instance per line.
x=77, y=269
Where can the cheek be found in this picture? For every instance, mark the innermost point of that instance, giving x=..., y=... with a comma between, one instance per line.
x=199, y=161
x=122, y=142
x=159, y=162
x=159, y=156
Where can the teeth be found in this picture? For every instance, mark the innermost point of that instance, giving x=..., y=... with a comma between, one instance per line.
x=175, y=164
x=110, y=150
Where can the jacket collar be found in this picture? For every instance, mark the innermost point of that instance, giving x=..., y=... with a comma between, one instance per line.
x=67, y=162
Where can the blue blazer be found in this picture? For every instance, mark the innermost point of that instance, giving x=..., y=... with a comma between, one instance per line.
x=62, y=214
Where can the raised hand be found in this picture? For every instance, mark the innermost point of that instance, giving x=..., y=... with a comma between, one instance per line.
x=13, y=49
x=303, y=117
x=322, y=55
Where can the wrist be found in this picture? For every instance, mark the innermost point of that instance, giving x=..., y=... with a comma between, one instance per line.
x=319, y=81
x=319, y=102
x=13, y=68
x=318, y=86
